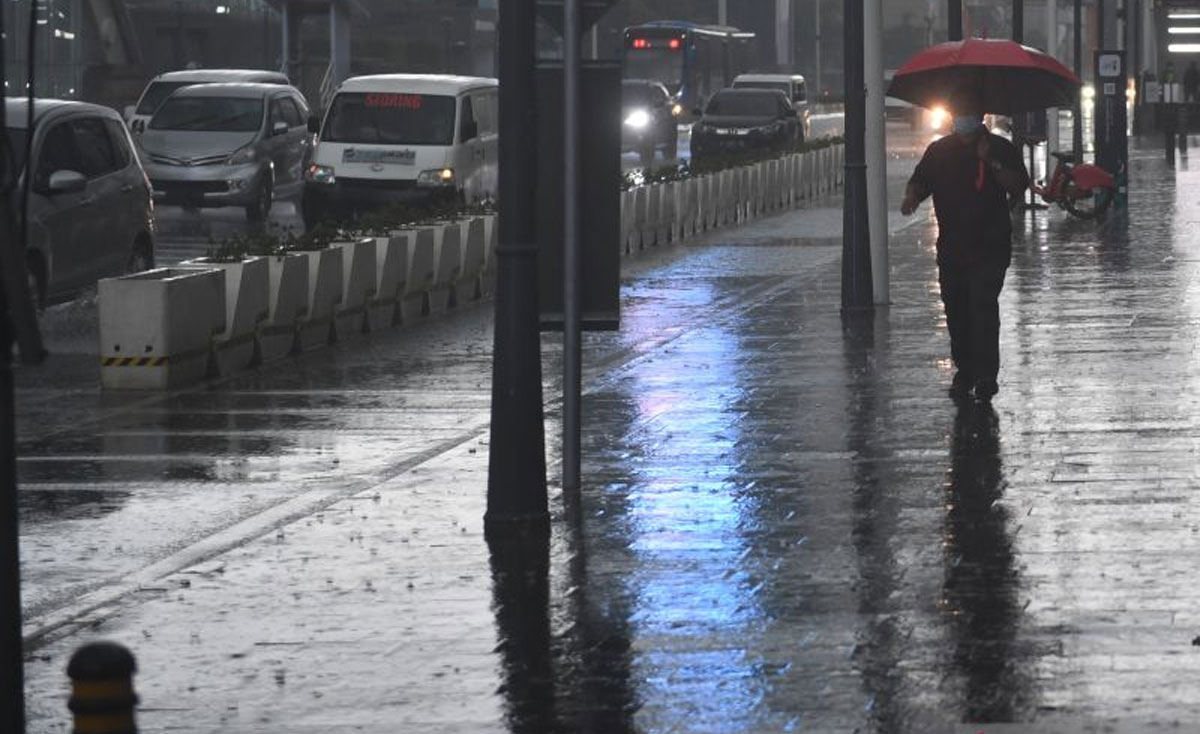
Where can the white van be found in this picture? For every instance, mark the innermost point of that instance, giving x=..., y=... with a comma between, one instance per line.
x=161, y=87
x=404, y=137
x=793, y=85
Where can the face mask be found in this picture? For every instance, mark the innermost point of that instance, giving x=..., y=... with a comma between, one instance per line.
x=966, y=124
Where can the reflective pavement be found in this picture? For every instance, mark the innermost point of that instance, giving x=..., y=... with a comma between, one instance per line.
x=787, y=525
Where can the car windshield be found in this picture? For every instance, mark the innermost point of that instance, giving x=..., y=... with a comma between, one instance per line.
x=391, y=119
x=781, y=86
x=156, y=94
x=659, y=64
x=748, y=105
x=210, y=114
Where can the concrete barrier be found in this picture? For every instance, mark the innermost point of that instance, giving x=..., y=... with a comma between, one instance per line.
x=491, y=237
x=156, y=327
x=247, y=292
x=324, y=296
x=474, y=246
x=391, y=275
x=288, y=301
x=653, y=213
x=422, y=270
x=359, y=283
x=667, y=231
x=447, y=239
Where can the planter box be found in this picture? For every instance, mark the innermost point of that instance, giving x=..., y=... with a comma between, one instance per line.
x=156, y=327
x=247, y=306
x=359, y=282
x=391, y=275
x=653, y=213
x=641, y=208
x=690, y=198
x=473, y=236
x=670, y=211
x=325, y=279
x=422, y=268
x=628, y=202
x=287, y=300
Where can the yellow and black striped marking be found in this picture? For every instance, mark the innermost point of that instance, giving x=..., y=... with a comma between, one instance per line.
x=133, y=361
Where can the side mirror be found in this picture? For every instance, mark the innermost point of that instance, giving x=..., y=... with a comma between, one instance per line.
x=66, y=182
x=470, y=131
x=314, y=125
x=129, y=110
x=279, y=128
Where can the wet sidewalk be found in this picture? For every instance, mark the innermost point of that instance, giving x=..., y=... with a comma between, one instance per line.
x=786, y=525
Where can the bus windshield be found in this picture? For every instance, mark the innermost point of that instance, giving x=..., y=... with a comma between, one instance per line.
x=660, y=64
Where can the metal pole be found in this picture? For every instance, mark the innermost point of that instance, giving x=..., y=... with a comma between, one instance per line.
x=12, y=677
x=517, y=458
x=722, y=12
x=817, y=48
x=856, y=238
x=1077, y=121
x=954, y=26
x=876, y=148
x=572, y=351
x=1018, y=21
x=1052, y=142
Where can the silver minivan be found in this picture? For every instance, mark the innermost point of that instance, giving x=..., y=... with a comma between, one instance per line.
x=213, y=145
x=163, y=85
x=90, y=213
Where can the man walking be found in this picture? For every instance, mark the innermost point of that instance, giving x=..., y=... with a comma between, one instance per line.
x=971, y=175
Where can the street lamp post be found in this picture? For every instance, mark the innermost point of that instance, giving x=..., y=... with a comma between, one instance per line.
x=954, y=20
x=857, y=286
x=516, y=494
x=1077, y=122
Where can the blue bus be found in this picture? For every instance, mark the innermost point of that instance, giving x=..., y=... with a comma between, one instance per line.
x=693, y=61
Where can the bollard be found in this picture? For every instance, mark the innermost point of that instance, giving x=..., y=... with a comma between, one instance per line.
x=102, y=696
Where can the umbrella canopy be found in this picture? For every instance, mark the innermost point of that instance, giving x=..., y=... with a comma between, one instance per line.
x=985, y=75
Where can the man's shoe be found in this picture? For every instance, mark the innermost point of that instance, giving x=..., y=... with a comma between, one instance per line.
x=960, y=386
x=985, y=389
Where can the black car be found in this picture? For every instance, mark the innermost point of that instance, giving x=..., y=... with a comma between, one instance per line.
x=745, y=121
x=648, y=117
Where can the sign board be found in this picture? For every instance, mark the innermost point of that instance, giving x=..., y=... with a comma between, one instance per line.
x=599, y=194
x=1111, y=117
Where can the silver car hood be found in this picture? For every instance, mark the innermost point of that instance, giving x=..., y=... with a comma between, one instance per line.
x=185, y=145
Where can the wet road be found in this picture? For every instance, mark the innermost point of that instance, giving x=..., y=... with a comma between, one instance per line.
x=787, y=525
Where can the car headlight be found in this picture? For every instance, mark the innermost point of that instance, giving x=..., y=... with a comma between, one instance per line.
x=241, y=157
x=677, y=109
x=937, y=118
x=436, y=177
x=320, y=174
x=638, y=119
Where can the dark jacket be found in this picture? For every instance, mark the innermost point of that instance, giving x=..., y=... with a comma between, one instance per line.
x=974, y=226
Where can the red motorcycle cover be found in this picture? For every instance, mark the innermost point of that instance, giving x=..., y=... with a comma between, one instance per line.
x=1088, y=177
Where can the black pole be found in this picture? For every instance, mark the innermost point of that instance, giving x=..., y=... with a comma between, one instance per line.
x=517, y=457
x=954, y=20
x=572, y=337
x=1018, y=21
x=1100, y=24
x=857, y=288
x=1077, y=123
x=12, y=678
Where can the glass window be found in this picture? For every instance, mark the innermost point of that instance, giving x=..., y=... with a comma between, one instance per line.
x=94, y=146
x=302, y=108
x=483, y=104
x=390, y=119
x=467, y=121
x=278, y=113
x=16, y=144
x=57, y=154
x=214, y=114
x=660, y=64
x=156, y=94
x=754, y=104
x=120, y=143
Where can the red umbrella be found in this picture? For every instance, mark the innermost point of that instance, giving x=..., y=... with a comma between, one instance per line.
x=985, y=75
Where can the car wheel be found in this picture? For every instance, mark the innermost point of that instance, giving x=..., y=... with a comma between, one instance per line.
x=258, y=210
x=140, y=257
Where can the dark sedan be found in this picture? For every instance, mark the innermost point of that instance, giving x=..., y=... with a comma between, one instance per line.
x=745, y=121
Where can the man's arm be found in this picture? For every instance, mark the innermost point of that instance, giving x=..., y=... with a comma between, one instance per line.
x=914, y=194
x=1006, y=164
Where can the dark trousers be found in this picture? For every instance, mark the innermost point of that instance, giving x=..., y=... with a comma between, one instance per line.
x=971, y=297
